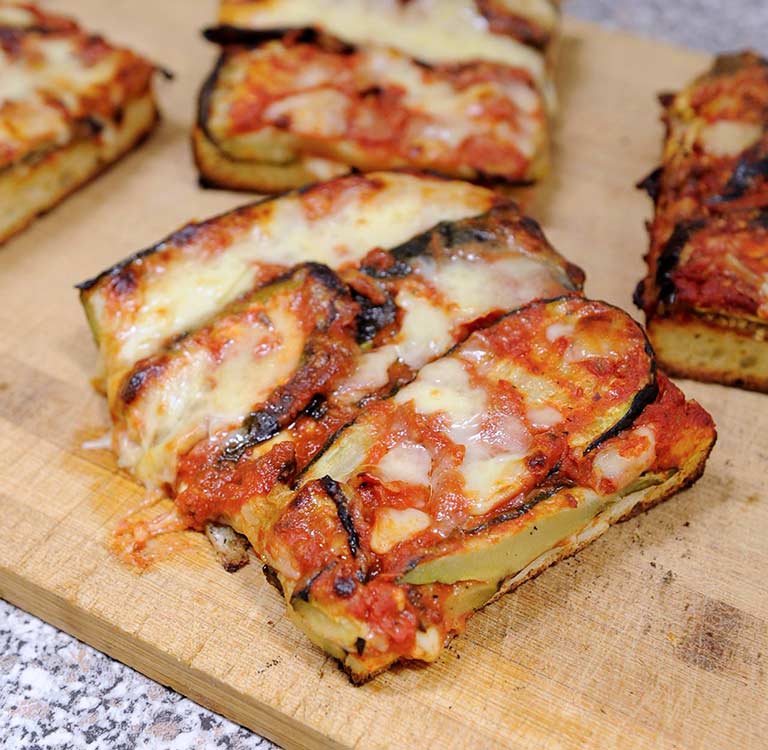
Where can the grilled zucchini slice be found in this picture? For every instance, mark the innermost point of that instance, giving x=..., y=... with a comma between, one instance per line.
x=514, y=450
x=300, y=327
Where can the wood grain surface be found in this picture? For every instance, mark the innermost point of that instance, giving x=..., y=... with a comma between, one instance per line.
x=654, y=637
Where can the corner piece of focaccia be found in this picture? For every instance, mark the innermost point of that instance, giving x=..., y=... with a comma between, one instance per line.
x=706, y=293
x=70, y=105
x=308, y=90
x=517, y=449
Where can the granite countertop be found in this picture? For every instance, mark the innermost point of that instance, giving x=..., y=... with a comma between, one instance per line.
x=56, y=692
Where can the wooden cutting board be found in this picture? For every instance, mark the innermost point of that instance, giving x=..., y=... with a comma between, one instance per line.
x=654, y=637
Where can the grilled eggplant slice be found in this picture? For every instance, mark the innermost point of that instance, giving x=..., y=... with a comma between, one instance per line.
x=306, y=90
x=300, y=327
x=416, y=301
x=70, y=105
x=140, y=304
x=705, y=296
x=513, y=451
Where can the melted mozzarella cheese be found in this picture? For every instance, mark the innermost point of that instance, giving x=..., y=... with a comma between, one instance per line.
x=544, y=416
x=729, y=137
x=620, y=470
x=202, y=394
x=11, y=15
x=425, y=332
x=393, y=526
x=407, y=462
x=477, y=286
x=444, y=388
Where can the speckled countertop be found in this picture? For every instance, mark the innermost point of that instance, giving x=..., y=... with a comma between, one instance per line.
x=56, y=692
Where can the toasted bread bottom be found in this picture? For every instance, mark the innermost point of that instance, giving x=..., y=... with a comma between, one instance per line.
x=28, y=190
x=714, y=349
x=217, y=169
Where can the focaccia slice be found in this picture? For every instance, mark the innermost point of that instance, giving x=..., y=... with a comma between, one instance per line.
x=303, y=91
x=70, y=105
x=145, y=301
x=512, y=452
x=706, y=292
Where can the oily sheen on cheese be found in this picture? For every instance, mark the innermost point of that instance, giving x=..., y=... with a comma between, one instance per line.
x=448, y=31
x=415, y=318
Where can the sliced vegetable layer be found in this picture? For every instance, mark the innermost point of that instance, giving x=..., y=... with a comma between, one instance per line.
x=507, y=448
x=414, y=302
x=298, y=329
x=306, y=102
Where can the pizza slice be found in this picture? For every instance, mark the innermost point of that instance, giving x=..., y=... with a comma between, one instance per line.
x=70, y=105
x=306, y=91
x=515, y=450
x=706, y=292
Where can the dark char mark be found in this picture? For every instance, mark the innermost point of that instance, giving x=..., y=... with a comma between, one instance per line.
x=272, y=578
x=226, y=35
x=333, y=489
x=651, y=183
x=372, y=317
x=521, y=510
x=646, y=395
x=317, y=408
x=344, y=586
x=638, y=296
x=750, y=167
x=204, y=97
x=133, y=386
x=670, y=256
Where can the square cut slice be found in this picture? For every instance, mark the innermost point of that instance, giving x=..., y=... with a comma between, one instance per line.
x=70, y=105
